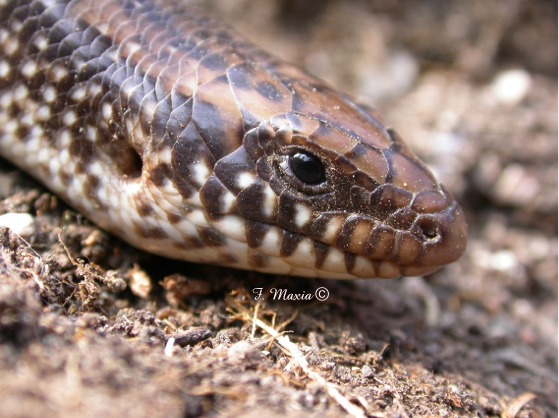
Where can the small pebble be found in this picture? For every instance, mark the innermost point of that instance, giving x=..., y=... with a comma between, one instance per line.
x=504, y=261
x=140, y=282
x=20, y=223
x=243, y=352
x=510, y=87
x=515, y=186
x=367, y=372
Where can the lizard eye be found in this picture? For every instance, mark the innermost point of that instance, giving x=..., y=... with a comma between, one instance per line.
x=307, y=167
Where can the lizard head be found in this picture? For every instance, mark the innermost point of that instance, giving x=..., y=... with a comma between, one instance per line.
x=342, y=203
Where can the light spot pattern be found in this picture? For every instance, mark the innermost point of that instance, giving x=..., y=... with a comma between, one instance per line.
x=163, y=127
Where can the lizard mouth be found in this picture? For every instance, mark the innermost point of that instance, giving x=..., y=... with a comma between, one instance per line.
x=433, y=241
x=388, y=253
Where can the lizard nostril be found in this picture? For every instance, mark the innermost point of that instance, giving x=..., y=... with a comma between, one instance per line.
x=429, y=228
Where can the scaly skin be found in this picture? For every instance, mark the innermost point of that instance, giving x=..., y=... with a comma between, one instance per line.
x=163, y=127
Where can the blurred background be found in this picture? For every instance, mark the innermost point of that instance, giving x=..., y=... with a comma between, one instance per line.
x=471, y=85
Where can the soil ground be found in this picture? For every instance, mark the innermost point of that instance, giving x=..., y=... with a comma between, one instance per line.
x=92, y=327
